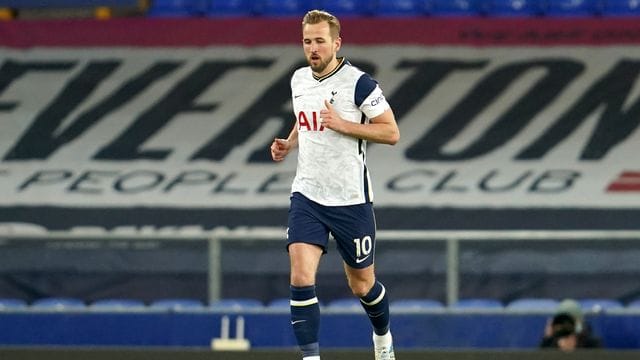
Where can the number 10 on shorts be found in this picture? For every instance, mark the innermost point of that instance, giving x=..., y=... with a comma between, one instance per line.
x=363, y=246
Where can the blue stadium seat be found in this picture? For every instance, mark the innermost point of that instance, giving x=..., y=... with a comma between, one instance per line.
x=350, y=303
x=236, y=304
x=58, y=304
x=506, y=8
x=279, y=303
x=400, y=8
x=621, y=8
x=571, y=8
x=533, y=304
x=274, y=8
x=478, y=304
x=178, y=8
x=12, y=304
x=228, y=8
x=454, y=7
x=416, y=304
x=65, y=3
x=176, y=304
x=117, y=305
x=348, y=7
x=599, y=304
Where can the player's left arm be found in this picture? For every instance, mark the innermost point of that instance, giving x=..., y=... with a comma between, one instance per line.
x=380, y=129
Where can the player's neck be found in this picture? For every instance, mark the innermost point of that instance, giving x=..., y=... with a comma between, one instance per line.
x=331, y=67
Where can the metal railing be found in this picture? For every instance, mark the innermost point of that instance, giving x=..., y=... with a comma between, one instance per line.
x=451, y=238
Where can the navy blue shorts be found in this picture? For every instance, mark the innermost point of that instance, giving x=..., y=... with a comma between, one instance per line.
x=353, y=227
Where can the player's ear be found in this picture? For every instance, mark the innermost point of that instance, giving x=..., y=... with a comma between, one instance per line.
x=338, y=42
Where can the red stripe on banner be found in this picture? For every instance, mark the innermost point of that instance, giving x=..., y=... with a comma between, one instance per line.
x=151, y=32
x=623, y=187
x=627, y=181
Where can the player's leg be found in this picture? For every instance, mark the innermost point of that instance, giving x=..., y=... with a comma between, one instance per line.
x=375, y=302
x=305, y=309
x=354, y=230
x=372, y=294
x=307, y=238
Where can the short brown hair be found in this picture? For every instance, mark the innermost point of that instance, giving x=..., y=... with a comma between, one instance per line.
x=318, y=16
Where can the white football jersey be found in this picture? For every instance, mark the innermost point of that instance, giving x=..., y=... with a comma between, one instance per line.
x=332, y=167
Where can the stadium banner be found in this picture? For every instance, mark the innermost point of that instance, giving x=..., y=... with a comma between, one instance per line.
x=523, y=136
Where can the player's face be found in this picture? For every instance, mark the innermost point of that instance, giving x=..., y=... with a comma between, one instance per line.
x=319, y=48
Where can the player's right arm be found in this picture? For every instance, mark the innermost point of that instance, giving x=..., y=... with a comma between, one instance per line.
x=281, y=147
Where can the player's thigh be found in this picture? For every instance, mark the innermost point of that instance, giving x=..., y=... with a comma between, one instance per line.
x=304, y=223
x=354, y=229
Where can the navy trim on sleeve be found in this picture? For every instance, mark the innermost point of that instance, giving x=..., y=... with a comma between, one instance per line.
x=364, y=87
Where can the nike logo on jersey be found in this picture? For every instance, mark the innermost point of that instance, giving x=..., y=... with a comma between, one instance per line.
x=297, y=96
x=358, y=261
x=297, y=321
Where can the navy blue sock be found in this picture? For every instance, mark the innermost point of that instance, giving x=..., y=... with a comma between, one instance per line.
x=376, y=304
x=305, y=318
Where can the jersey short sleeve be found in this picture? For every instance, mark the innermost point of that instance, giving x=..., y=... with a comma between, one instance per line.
x=369, y=98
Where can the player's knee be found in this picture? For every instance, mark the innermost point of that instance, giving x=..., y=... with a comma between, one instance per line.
x=302, y=280
x=359, y=292
x=360, y=288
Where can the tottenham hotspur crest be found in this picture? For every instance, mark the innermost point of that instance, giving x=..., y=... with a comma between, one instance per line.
x=333, y=94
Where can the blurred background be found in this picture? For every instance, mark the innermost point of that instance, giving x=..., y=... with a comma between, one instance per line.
x=136, y=188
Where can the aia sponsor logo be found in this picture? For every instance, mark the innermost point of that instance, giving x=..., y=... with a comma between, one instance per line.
x=309, y=122
x=626, y=181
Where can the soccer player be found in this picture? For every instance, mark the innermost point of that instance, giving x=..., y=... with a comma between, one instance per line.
x=338, y=108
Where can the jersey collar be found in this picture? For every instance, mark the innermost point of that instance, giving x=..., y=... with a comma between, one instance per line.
x=341, y=63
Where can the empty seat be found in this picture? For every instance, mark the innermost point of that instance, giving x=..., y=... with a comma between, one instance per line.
x=230, y=8
x=399, y=8
x=571, y=8
x=621, y=8
x=599, y=304
x=416, y=304
x=512, y=7
x=349, y=7
x=533, y=304
x=454, y=7
x=279, y=303
x=281, y=8
x=350, y=303
x=177, y=8
x=478, y=304
x=12, y=304
x=177, y=304
x=236, y=304
x=61, y=4
x=58, y=304
x=117, y=305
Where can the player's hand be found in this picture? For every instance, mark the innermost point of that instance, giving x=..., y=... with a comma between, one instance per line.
x=329, y=117
x=279, y=149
